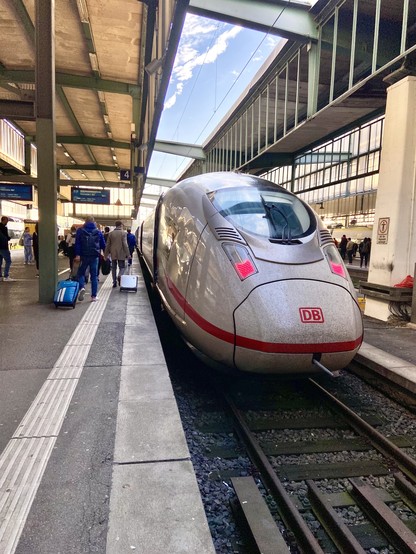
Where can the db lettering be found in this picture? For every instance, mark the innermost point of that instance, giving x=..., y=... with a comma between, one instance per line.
x=311, y=315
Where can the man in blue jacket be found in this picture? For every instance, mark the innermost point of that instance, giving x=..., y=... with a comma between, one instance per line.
x=131, y=241
x=89, y=242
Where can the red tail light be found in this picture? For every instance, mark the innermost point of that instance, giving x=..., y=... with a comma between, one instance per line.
x=338, y=269
x=241, y=260
x=335, y=262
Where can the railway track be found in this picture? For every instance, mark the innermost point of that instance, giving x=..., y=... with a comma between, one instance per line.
x=315, y=518
x=338, y=479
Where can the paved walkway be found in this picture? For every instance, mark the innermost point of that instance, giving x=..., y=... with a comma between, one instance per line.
x=93, y=457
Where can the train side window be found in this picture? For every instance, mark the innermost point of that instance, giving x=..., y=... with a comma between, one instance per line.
x=168, y=231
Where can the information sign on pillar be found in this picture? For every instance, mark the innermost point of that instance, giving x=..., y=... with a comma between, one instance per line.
x=383, y=230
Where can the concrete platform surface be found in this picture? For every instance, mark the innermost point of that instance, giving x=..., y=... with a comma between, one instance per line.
x=390, y=351
x=93, y=457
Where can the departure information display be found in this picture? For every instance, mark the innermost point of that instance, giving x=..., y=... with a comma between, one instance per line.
x=16, y=192
x=90, y=196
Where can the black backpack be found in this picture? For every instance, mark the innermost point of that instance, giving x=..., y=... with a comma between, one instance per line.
x=63, y=246
x=4, y=241
x=90, y=242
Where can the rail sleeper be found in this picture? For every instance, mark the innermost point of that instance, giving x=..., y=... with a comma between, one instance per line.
x=263, y=528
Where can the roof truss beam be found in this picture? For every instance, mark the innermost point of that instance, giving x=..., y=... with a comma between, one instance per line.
x=93, y=141
x=148, y=196
x=269, y=160
x=86, y=183
x=180, y=149
x=168, y=183
x=277, y=17
x=91, y=167
x=17, y=109
x=72, y=81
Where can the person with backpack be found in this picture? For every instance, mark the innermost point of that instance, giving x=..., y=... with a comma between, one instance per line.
x=343, y=246
x=70, y=247
x=364, y=249
x=89, y=242
x=131, y=241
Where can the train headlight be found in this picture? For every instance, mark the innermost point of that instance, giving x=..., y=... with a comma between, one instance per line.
x=241, y=260
x=335, y=261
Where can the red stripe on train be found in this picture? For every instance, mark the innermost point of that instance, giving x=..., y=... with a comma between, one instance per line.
x=253, y=344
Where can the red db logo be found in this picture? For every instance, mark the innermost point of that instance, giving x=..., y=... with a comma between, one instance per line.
x=311, y=315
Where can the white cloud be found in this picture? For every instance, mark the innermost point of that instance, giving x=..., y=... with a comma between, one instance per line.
x=170, y=102
x=195, y=50
x=272, y=40
x=196, y=27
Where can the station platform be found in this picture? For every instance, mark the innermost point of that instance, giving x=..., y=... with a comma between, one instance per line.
x=93, y=457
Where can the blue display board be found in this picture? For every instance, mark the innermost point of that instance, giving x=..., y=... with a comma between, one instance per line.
x=90, y=196
x=16, y=192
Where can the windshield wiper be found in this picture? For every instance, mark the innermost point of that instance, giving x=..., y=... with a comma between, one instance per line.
x=270, y=210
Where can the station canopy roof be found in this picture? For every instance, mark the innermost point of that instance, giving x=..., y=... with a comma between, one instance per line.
x=103, y=92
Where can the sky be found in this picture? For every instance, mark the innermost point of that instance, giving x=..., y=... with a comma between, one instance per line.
x=214, y=64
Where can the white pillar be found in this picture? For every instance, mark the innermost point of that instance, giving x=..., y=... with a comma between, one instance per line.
x=393, y=251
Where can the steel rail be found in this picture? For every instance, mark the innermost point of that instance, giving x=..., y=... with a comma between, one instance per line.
x=333, y=524
x=380, y=443
x=290, y=515
x=392, y=527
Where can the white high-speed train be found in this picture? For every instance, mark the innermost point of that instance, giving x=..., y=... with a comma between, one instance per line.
x=251, y=277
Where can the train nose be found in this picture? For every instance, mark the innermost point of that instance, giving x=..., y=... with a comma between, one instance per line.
x=284, y=324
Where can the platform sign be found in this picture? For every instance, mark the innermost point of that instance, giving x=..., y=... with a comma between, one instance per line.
x=383, y=230
x=16, y=192
x=90, y=196
x=125, y=174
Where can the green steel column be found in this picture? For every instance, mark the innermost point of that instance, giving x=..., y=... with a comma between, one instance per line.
x=28, y=155
x=313, y=78
x=46, y=143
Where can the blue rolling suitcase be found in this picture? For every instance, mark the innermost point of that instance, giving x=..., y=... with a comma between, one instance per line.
x=66, y=294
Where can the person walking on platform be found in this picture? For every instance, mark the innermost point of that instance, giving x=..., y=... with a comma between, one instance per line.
x=131, y=241
x=70, y=246
x=35, y=244
x=27, y=245
x=5, y=250
x=89, y=242
x=350, y=250
x=106, y=233
x=364, y=249
x=118, y=249
x=343, y=246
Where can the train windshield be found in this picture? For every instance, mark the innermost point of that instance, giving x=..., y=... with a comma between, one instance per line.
x=276, y=214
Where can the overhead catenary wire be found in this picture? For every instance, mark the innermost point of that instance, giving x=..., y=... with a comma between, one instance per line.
x=232, y=85
x=228, y=91
x=214, y=37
